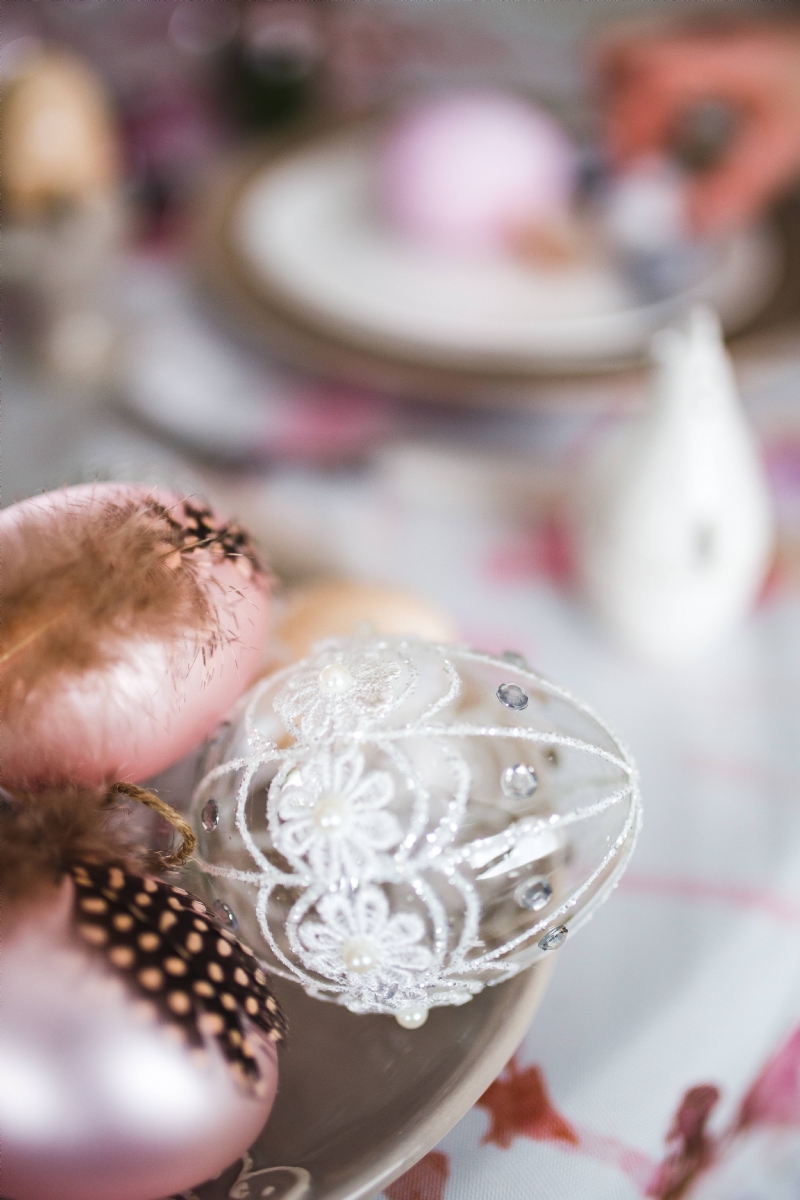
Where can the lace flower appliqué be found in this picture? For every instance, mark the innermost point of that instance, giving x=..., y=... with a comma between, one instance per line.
x=332, y=817
x=360, y=943
x=341, y=694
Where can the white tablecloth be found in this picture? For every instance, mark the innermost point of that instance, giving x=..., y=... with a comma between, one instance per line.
x=665, y=1059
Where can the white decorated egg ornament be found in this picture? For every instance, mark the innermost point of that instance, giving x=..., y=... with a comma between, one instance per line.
x=398, y=824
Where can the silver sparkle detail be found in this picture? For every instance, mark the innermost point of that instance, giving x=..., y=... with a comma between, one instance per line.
x=554, y=938
x=209, y=817
x=533, y=894
x=519, y=781
x=512, y=696
x=226, y=914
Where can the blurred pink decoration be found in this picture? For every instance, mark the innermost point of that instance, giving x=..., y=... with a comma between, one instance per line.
x=326, y=424
x=774, y=1098
x=180, y=373
x=96, y=1103
x=468, y=171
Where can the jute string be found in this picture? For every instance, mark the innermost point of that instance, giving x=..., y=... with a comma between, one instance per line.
x=188, y=840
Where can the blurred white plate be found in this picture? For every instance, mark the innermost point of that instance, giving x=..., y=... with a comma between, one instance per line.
x=305, y=231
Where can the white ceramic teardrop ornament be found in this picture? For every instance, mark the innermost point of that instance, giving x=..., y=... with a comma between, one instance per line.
x=675, y=530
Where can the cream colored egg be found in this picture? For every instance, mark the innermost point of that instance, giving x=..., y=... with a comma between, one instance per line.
x=337, y=608
x=59, y=140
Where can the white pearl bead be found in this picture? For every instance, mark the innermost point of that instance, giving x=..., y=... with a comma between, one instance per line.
x=332, y=813
x=335, y=679
x=359, y=955
x=412, y=1018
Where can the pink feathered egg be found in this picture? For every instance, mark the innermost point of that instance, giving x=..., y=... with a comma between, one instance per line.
x=132, y=620
x=96, y=1102
x=467, y=172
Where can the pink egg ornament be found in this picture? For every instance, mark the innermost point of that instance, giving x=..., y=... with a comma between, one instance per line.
x=98, y=1102
x=132, y=620
x=470, y=171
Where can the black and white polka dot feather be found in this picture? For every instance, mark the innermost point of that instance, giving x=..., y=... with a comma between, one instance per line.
x=177, y=957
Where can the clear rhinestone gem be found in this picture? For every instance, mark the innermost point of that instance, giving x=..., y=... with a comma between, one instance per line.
x=226, y=914
x=519, y=781
x=515, y=659
x=533, y=894
x=512, y=696
x=553, y=938
x=209, y=817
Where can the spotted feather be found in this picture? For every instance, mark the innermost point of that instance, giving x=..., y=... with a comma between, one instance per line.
x=188, y=969
x=199, y=529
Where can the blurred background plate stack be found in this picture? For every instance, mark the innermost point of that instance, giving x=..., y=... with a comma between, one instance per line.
x=294, y=238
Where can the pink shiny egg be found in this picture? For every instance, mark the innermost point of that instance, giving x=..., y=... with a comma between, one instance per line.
x=157, y=692
x=467, y=172
x=97, y=1103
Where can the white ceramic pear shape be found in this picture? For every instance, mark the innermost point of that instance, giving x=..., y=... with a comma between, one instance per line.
x=675, y=529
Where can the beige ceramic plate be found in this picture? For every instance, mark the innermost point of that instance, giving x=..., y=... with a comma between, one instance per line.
x=361, y=1100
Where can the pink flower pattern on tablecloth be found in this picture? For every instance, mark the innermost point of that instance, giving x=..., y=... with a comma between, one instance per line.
x=519, y=1105
x=774, y=1098
x=425, y=1181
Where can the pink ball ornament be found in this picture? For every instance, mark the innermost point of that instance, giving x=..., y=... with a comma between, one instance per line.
x=132, y=620
x=468, y=172
x=97, y=1103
